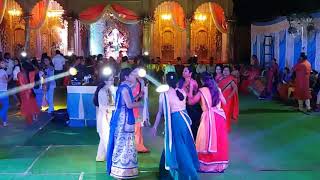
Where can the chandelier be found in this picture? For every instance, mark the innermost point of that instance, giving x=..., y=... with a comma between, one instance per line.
x=300, y=23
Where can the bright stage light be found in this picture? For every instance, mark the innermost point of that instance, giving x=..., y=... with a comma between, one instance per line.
x=73, y=71
x=195, y=55
x=70, y=53
x=142, y=72
x=146, y=53
x=107, y=71
x=14, y=12
x=162, y=88
x=24, y=54
x=166, y=16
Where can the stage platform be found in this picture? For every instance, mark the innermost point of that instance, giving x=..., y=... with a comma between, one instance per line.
x=271, y=141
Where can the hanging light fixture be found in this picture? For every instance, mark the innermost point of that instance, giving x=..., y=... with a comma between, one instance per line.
x=14, y=12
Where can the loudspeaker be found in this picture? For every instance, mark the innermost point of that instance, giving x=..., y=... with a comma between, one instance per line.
x=61, y=116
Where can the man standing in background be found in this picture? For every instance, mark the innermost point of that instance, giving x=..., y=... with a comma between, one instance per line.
x=302, y=90
x=58, y=62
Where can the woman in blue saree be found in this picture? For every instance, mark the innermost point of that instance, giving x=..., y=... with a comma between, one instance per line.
x=122, y=162
x=181, y=157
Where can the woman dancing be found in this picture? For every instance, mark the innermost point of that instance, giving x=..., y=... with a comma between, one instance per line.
x=29, y=108
x=122, y=161
x=212, y=138
x=180, y=151
x=104, y=102
x=229, y=89
x=138, y=93
x=194, y=111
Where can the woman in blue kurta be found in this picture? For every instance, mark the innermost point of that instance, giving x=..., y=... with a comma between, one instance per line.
x=122, y=162
x=180, y=152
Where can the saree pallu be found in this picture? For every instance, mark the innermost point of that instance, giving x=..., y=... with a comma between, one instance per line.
x=181, y=157
x=231, y=108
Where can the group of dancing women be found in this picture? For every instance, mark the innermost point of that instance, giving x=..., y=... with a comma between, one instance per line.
x=194, y=141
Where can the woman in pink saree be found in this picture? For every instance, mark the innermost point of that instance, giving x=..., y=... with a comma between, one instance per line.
x=212, y=137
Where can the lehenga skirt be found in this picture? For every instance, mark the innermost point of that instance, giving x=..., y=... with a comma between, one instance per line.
x=183, y=159
x=124, y=157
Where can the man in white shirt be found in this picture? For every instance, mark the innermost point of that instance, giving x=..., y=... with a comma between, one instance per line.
x=58, y=62
x=9, y=65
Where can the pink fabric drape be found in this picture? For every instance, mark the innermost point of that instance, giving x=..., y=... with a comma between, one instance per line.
x=219, y=17
x=39, y=13
x=3, y=5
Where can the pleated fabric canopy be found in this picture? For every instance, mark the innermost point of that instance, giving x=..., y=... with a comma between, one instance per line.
x=94, y=13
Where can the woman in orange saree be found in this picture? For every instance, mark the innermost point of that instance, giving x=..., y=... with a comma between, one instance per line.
x=138, y=114
x=229, y=89
x=29, y=108
x=212, y=137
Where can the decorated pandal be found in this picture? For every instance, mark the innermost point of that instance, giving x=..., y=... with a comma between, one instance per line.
x=116, y=31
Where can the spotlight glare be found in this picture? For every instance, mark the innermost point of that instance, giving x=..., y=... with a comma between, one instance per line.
x=142, y=72
x=24, y=54
x=162, y=88
x=73, y=71
x=70, y=53
x=107, y=71
x=146, y=53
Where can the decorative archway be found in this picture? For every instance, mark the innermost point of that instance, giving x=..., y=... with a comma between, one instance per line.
x=169, y=32
x=12, y=29
x=49, y=29
x=208, y=33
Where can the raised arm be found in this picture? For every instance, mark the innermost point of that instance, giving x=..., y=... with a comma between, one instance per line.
x=193, y=99
x=128, y=100
x=158, y=118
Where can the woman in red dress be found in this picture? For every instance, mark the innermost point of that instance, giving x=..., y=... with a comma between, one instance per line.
x=29, y=108
x=229, y=89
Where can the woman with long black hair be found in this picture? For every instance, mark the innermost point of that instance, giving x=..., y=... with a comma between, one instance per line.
x=122, y=160
x=104, y=101
x=212, y=138
x=179, y=150
x=29, y=107
x=194, y=111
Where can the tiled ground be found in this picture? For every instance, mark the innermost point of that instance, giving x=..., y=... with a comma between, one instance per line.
x=271, y=141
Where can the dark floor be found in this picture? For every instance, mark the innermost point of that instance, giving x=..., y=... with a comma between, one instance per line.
x=271, y=141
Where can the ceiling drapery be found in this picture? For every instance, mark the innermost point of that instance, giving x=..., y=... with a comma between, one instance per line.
x=38, y=14
x=219, y=19
x=94, y=13
x=3, y=6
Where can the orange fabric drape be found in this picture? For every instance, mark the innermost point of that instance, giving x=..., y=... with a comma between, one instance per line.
x=3, y=6
x=92, y=14
x=178, y=16
x=39, y=13
x=218, y=16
